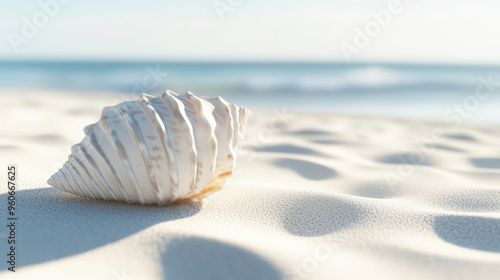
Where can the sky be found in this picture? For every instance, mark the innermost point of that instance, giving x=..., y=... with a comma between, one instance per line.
x=405, y=31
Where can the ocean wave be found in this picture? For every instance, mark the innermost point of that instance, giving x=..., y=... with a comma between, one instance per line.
x=363, y=79
x=241, y=78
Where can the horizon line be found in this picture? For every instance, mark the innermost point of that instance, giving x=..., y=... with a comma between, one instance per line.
x=249, y=62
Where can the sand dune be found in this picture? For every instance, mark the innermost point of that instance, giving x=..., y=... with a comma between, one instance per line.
x=314, y=196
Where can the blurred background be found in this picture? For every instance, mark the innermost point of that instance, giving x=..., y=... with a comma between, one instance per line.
x=417, y=59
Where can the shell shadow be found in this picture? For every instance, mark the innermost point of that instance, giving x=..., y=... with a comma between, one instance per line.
x=307, y=169
x=54, y=224
x=478, y=233
x=320, y=215
x=197, y=258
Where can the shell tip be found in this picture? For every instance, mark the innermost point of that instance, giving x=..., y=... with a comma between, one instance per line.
x=55, y=181
x=169, y=92
x=51, y=181
x=145, y=97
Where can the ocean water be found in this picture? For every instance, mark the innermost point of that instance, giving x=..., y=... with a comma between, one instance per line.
x=416, y=91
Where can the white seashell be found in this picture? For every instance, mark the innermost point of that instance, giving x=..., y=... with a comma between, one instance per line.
x=156, y=150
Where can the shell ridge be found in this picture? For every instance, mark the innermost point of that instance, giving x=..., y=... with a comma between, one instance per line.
x=124, y=155
x=66, y=181
x=136, y=133
x=58, y=183
x=233, y=111
x=193, y=154
x=111, y=135
x=162, y=105
x=223, y=179
x=191, y=120
x=80, y=186
x=160, y=131
x=71, y=185
x=124, y=158
x=199, y=111
x=79, y=175
x=100, y=176
x=61, y=183
x=229, y=133
x=225, y=155
x=95, y=145
x=144, y=151
x=91, y=168
x=108, y=188
x=175, y=128
x=89, y=191
x=85, y=169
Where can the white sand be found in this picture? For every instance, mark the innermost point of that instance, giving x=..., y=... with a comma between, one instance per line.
x=313, y=202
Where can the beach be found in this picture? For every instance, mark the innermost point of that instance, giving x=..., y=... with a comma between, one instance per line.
x=314, y=195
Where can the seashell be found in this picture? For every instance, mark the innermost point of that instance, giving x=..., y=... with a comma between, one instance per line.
x=156, y=150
